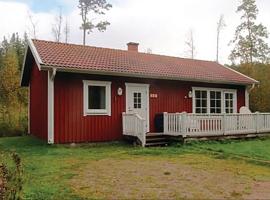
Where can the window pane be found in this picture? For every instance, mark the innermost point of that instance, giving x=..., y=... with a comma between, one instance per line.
x=96, y=97
x=212, y=95
x=137, y=98
x=204, y=103
x=219, y=104
x=204, y=110
x=204, y=94
x=198, y=103
x=198, y=110
x=212, y=103
x=218, y=95
x=197, y=94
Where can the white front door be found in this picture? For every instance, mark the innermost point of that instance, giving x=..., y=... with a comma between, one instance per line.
x=137, y=100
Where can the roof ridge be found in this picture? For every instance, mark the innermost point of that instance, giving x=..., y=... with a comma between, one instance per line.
x=122, y=50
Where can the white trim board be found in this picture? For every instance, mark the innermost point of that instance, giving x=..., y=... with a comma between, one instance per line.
x=50, y=108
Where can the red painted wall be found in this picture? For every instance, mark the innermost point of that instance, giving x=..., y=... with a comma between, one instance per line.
x=71, y=126
x=38, y=103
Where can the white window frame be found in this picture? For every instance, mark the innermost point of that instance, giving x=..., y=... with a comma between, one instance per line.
x=107, y=110
x=222, y=90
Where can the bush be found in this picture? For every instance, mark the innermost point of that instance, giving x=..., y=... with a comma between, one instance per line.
x=11, y=182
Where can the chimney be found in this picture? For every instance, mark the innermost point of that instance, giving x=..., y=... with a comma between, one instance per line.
x=132, y=46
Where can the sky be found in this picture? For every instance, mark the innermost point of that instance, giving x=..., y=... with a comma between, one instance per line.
x=160, y=25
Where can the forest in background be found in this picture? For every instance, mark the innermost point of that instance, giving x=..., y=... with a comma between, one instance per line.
x=13, y=98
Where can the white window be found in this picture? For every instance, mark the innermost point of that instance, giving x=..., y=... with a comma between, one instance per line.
x=212, y=100
x=201, y=101
x=229, y=99
x=215, y=102
x=97, y=97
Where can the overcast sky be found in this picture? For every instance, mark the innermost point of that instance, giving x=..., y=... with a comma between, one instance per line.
x=156, y=24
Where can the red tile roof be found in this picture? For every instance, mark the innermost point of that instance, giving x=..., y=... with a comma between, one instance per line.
x=121, y=62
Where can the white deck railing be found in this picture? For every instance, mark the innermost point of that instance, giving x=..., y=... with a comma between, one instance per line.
x=134, y=125
x=187, y=124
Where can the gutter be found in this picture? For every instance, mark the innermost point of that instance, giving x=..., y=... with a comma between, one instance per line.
x=98, y=72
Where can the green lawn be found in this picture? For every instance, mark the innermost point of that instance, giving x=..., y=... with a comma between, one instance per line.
x=53, y=172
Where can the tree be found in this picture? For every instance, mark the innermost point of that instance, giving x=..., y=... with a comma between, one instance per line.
x=190, y=44
x=249, y=39
x=13, y=98
x=93, y=7
x=9, y=84
x=57, y=26
x=220, y=25
x=66, y=31
x=33, y=24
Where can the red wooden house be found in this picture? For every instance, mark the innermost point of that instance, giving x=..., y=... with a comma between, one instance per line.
x=78, y=93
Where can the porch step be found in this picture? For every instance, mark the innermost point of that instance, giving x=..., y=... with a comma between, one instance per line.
x=156, y=139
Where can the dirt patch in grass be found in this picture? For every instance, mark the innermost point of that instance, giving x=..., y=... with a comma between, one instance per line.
x=186, y=176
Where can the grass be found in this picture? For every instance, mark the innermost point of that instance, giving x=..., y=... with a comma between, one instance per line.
x=50, y=170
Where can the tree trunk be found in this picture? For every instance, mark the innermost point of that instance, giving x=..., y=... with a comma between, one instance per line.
x=84, y=34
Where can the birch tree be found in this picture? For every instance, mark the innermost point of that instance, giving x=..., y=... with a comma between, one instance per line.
x=33, y=26
x=57, y=26
x=190, y=44
x=220, y=25
x=66, y=30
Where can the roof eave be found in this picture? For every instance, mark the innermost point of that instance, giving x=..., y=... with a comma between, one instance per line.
x=136, y=75
x=30, y=47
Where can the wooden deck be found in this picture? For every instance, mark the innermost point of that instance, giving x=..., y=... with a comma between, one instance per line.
x=199, y=126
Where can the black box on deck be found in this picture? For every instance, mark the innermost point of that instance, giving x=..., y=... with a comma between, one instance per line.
x=159, y=122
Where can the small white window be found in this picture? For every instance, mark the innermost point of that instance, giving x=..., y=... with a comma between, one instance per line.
x=201, y=101
x=229, y=102
x=215, y=102
x=97, y=98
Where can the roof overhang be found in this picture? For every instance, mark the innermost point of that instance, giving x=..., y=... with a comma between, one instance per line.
x=143, y=75
x=31, y=55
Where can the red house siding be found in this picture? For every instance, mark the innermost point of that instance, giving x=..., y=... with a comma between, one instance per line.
x=71, y=126
x=39, y=103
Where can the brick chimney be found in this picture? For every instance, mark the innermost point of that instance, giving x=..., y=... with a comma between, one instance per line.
x=132, y=46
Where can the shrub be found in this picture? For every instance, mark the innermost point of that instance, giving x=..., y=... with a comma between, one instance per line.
x=11, y=182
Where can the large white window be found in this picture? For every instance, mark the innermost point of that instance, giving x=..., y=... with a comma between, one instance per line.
x=212, y=100
x=97, y=97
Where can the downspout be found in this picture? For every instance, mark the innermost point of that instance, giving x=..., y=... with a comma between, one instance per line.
x=252, y=87
x=51, y=76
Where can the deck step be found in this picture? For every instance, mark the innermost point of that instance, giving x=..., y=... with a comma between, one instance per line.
x=153, y=139
x=154, y=134
x=156, y=139
x=156, y=144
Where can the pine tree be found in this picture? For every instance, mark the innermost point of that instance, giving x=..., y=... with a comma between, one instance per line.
x=249, y=40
